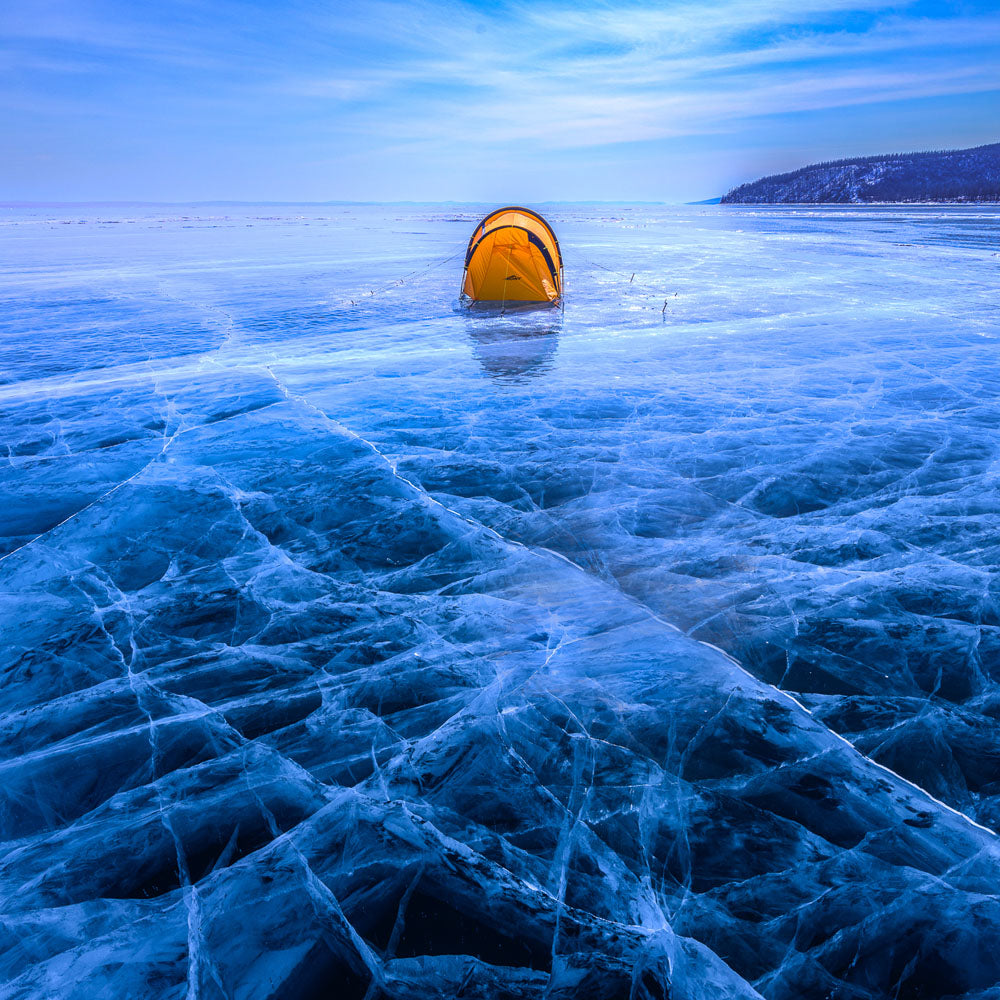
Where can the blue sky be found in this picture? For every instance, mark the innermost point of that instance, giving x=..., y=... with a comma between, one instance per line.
x=305, y=100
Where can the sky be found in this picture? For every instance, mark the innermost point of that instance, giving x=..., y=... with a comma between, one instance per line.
x=303, y=100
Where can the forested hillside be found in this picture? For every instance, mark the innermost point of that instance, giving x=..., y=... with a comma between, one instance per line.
x=957, y=175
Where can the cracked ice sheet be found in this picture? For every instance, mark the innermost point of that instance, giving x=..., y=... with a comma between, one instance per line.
x=304, y=695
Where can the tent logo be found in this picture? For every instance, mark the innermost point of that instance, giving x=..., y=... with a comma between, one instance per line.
x=513, y=277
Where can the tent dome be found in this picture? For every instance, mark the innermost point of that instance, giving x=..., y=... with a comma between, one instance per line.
x=513, y=257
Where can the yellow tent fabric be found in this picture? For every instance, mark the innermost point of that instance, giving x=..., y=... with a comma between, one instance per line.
x=513, y=257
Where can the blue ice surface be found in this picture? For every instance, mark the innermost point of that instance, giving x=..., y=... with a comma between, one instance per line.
x=355, y=645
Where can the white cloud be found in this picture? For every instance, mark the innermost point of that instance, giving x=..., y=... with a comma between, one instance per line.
x=561, y=77
x=446, y=90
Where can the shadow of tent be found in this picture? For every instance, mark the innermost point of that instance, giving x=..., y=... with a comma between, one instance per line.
x=514, y=346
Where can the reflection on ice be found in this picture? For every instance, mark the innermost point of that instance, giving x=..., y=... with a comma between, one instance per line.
x=522, y=344
x=332, y=667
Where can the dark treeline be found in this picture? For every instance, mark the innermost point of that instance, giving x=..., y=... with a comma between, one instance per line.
x=955, y=175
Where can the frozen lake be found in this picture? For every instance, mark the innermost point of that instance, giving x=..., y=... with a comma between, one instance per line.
x=356, y=646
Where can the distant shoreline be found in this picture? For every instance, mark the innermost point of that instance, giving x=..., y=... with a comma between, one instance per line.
x=858, y=204
x=445, y=205
x=940, y=177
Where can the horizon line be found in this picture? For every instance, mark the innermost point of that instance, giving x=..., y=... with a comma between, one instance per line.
x=408, y=201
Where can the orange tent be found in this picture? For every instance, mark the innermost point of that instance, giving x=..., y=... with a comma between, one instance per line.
x=513, y=258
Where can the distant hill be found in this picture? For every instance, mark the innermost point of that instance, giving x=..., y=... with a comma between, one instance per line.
x=954, y=175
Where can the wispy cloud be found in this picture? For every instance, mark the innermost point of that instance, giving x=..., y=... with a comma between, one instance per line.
x=456, y=82
x=565, y=77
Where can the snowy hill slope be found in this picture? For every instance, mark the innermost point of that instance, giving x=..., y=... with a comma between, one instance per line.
x=958, y=175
